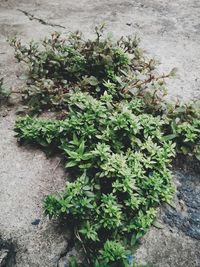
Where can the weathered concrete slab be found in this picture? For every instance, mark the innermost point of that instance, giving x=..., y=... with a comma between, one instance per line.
x=169, y=30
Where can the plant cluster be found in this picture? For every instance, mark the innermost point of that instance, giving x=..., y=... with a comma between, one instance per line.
x=59, y=65
x=121, y=164
x=118, y=139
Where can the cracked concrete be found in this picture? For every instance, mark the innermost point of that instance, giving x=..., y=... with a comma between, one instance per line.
x=169, y=30
x=32, y=17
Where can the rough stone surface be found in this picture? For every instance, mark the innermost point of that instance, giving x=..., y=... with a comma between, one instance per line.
x=187, y=216
x=177, y=244
x=169, y=30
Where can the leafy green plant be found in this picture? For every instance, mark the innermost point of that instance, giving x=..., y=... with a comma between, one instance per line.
x=118, y=139
x=59, y=65
x=121, y=166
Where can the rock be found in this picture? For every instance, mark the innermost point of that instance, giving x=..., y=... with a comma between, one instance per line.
x=35, y=222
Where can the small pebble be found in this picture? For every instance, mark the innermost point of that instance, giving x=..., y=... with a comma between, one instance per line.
x=35, y=222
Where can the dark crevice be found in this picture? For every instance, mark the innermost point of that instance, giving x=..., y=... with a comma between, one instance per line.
x=43, y=22
x=7, y=253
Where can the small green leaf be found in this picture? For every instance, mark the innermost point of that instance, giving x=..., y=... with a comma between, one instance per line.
x=158, y=225
x=173, y=72
x=24, y=77
x=172, y=204
x=89, y=194
x=71, y=164
x=169, y=137
x=197, y=156
x=93, y=81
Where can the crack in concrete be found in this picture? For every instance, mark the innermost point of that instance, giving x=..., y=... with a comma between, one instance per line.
x=32, y=17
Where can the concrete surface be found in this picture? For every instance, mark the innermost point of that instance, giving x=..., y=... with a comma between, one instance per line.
x=169, y=30
x=178, y=242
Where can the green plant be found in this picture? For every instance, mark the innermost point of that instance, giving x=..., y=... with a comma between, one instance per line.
x=59, y=65
x=121, y=165
x=118, y=139
x=4, y=92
